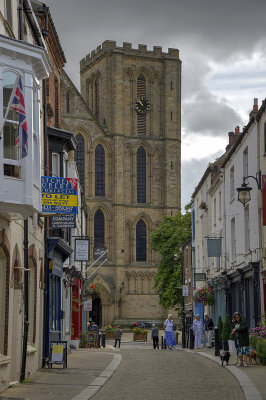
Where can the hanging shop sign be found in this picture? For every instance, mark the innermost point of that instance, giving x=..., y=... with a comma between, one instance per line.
x=59, y=195
x=185, y=290
x=200, y=276
x=87, y=305
x=82, y=249
x=63, y=221
x=214, y=247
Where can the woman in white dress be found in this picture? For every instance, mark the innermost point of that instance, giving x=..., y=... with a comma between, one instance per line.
x=169, y=333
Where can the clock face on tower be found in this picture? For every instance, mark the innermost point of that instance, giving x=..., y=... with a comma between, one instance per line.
x=142, y=105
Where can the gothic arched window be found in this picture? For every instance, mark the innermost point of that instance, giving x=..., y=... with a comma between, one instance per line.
x=99, y=228
x=68, y=103
x=141, y=241
x=99, y=171
x=141, y=92
x=141, y=175
x=96, y=100
x=79, y=158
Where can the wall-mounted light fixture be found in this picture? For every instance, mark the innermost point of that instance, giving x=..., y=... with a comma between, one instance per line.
x=244, y=190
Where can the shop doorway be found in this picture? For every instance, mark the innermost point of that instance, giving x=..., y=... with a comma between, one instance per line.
x=96, y=313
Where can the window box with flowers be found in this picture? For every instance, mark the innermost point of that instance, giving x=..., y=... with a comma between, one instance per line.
x=110, y=332
x=204, y=296
x=203, y=205
x=140, y=334
x=93, y=291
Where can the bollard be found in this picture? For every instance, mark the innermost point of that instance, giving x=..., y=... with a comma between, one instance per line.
x=163, y=345
x=103, y=339
x=191, y=338
x=216, y=342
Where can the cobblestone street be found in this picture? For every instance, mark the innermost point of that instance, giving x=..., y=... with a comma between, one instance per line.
x=155, y=374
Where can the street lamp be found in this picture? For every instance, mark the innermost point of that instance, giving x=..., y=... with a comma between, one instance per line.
x=244, y=190
x=181, y=250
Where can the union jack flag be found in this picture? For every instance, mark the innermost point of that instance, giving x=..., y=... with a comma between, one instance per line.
x=18, y=105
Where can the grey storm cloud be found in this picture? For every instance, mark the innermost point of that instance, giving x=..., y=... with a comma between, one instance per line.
x=208, y=115
x=205, y=32
x=191, y=171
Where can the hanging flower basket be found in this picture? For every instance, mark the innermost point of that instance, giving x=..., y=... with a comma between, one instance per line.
x=204, y=296
x=93, y=291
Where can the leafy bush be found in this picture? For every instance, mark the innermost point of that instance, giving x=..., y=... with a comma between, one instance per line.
x=261, y=350
x=226, y=328
x=220, y=327
x=83, y=340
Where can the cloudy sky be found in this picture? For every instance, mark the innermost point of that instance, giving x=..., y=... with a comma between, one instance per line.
x=223, y=51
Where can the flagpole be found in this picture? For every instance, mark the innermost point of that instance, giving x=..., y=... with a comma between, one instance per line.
x=9, y=103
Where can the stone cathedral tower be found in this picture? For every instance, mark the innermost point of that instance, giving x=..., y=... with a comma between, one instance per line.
x=128, y=158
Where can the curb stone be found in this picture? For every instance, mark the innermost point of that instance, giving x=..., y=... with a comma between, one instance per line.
x=249, y=389
x=98, y=382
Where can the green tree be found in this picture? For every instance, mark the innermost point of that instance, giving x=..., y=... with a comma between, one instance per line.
x=171, y=234
x=220, y=327
x=226, y=328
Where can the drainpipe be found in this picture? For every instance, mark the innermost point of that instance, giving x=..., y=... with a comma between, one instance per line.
x=20, y=19
x=46, y=261
x=26, y=302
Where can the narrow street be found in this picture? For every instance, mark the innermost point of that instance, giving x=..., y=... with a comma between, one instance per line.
x=145, y=373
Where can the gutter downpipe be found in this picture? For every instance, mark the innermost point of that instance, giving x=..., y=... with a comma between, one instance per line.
x=26, y=247
x=46, y=262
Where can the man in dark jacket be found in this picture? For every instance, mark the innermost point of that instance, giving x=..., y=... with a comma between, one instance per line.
x=208, y=327
x=155, y=336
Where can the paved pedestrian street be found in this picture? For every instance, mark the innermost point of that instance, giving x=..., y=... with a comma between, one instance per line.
x=145, y=373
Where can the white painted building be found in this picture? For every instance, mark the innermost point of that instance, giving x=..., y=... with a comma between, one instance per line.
x=20, y=192
x=242, y=232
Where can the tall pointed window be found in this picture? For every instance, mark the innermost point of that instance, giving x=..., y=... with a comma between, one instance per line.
x=79, y=158
x=141, y=241
x=141, y=92
x=68, y=103
x=99, y=171
x=97, y=100
x=141, y=175
x=99, y=228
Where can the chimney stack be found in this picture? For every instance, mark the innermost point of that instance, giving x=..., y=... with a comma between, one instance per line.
x=254, y=109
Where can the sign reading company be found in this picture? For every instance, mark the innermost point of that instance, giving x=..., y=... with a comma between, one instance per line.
x=59, y=195
x=63, y=221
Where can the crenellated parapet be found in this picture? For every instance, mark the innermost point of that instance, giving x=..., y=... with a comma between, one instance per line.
x=109, y=46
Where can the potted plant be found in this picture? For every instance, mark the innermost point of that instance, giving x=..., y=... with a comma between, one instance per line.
x=220, y=331
x=226, y=332
x=257, y=339
x=110, y=332
x=140, y=334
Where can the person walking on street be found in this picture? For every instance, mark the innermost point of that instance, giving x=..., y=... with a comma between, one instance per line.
x=118, y=334
x=155, y=336
x=169, y=334
x=208, y=327
x=242, y=337
x=197, y=331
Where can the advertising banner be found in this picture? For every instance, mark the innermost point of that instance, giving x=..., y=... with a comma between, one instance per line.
x=59, y=195
x=63, y=221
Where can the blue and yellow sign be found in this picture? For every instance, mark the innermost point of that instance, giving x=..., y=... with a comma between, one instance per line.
x=59, y=195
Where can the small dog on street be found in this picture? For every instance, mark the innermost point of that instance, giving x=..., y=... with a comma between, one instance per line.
x=252, y=355
x=225, y=356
